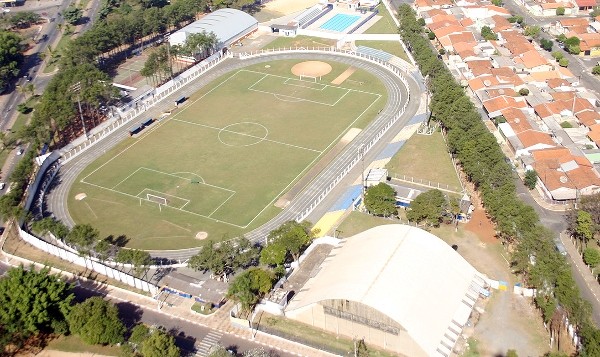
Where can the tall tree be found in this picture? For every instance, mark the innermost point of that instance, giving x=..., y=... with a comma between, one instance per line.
x=32, y=302
x=380, y=200
x=428, y=206
x=83, y=236
x=159, y=344
x=11, y=55
x=293, y=236
x=250, y=286
x=97, y=322
x=584, y=229
x=225, y=257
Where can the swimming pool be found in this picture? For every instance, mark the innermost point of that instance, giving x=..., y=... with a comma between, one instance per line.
x=339, y=22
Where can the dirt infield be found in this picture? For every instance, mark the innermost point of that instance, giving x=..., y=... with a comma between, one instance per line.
x=311, y=68
x=201, y=235
x=342, y=77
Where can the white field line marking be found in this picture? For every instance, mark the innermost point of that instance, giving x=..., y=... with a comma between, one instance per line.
x=303, y=86
x=298, y=99
x=187, y=179
x=327, y=85
x=155, y=127
x=258, y=81
x=221, y=205
x=342, y=97
x=88, y=206
x=248, y=135
x=126, y=178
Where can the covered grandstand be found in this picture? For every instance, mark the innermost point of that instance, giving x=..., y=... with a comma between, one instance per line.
x=400, y=287
x=228, y=25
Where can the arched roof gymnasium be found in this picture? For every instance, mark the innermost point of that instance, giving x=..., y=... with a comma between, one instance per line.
x=228, y=25
x=404, y=272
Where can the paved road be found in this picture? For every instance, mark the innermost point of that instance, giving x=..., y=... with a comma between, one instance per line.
x=397, y=96
x=190, y=337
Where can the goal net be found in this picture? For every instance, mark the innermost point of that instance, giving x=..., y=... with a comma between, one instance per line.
x=306, y=78
x=158, y=199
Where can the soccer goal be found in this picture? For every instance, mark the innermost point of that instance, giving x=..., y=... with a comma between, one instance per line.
x=158, y=199
x=306, y=78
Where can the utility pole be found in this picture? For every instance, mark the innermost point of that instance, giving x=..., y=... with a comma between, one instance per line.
x=77, y=88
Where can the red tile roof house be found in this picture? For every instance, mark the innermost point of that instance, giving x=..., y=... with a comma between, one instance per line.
x=563, y=176
x=494, y=107
x=584, y=5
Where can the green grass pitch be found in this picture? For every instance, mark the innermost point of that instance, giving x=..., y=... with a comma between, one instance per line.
x=219, y=163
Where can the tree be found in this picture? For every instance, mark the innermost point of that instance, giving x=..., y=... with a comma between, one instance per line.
x=97, y=322
x=218, y=351
x=83, y=236
x=259, y=352
x=361, y=349
x=574, y=49
x=380, y=200
x=584, y=229
x=293, y=236
x=32, y=302
x=431, y=35
x=72, y=14
x=596, y=70
x=511, y=353
x=563, y=62
x=558, y=55
x=24, y=19
x=530, y=180
x=488, y=34
x=428, y=207
x=138, y=334
x=250, y=286
x=560, y=11
x=546, y=44
x=159, y=344
x=524, y=92
x=11, y=55
x=532, y=31
x=225, y=257
x=273, y=254
x=591, y=257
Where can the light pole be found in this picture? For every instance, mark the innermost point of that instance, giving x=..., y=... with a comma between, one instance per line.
x=77, y=88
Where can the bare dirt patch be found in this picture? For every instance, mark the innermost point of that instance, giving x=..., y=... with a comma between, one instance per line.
x=342, y=77
x=350, y=135
x=311, y=68
x=80, y=196
x=201, y=235
x=285, y=7
x=482, y=226
x=282, y=202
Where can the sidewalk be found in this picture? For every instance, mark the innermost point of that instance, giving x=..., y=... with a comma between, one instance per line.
x=585, y=272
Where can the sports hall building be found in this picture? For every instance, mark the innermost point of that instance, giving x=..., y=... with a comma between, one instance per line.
x=398, y=287
x=229, y=25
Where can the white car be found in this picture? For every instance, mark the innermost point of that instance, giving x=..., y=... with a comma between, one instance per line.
x=20, y=151
x=5, y=10
x=2, y=186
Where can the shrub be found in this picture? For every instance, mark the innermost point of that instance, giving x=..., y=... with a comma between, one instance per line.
x=560, y=11
x=524, y=92
x=563, y=62
x=557, y=55
x=566, y=125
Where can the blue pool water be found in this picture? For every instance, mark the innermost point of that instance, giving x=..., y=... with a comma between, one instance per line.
x=339, y=22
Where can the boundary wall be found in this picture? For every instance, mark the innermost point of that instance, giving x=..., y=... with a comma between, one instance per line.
x=88, y=263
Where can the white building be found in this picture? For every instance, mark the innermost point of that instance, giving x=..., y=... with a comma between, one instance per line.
x=400, y=287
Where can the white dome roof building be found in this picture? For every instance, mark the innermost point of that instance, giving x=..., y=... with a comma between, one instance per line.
x=398, y=287
x=229, y=25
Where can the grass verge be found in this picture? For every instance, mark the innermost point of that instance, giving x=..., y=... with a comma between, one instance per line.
x=416, y=157
x=74, y=344
x=385, y=24
x=311, y=336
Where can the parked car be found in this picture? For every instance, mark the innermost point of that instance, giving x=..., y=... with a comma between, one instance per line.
x=19, y=151
x=2, y=184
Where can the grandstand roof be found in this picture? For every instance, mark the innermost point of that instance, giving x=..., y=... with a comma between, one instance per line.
x=404, y=272
x=224, y=23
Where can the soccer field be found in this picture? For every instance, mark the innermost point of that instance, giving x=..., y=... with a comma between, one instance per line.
x=219, y=163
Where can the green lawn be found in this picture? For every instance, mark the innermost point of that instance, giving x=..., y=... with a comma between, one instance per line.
x=300, y=41
x=419, y=155
x=219, y=164
x=357, y=222
x=385, y=24
x=76, y=345
x=318, y=338
x=392, y=47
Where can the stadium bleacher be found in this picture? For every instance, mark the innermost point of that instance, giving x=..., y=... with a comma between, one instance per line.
x=379, y=54
x=307, y=16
